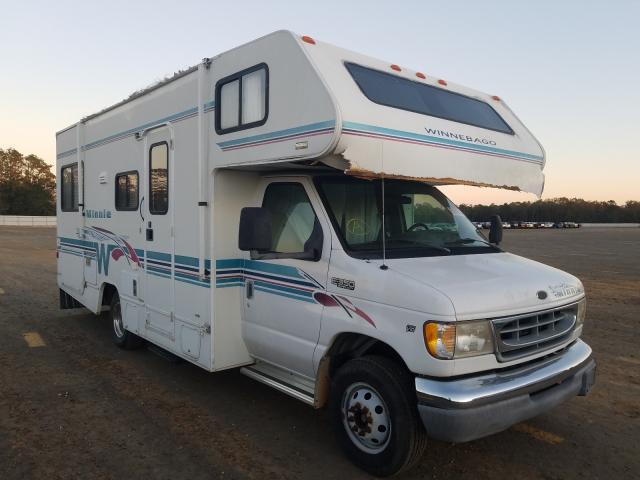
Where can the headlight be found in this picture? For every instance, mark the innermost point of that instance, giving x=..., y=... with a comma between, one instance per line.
x=457, y=340
x=473, y=338
x=582, y=312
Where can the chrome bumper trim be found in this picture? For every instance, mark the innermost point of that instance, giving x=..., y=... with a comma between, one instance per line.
x=500, y=385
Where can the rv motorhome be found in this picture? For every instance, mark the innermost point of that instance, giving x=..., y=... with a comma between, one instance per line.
x=275, y=209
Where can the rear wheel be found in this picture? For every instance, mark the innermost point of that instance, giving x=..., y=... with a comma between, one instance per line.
x=121, y=337
x=374, y=414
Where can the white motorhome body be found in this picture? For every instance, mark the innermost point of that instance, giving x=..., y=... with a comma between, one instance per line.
x=152, y=192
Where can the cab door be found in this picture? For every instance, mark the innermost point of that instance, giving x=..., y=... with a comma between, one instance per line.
x=158, y=231
x=281, y=315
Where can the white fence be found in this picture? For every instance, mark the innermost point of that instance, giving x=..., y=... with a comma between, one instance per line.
x=27, y=221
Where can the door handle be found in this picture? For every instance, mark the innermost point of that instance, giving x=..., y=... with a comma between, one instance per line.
x=249, y=288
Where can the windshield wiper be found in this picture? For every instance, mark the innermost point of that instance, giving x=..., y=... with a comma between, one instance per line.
x=464, y=241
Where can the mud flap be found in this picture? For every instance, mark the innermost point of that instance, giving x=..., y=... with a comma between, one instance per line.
x=67, y=301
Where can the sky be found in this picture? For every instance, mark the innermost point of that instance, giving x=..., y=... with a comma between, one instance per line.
x=569, y=69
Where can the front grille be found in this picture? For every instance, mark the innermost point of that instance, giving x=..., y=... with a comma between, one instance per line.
x=522, y=335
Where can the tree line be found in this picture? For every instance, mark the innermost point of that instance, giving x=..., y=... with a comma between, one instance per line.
x=27, y=185
x=558, y=210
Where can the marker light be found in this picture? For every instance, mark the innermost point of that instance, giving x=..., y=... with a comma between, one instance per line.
x=421, y=75
x=496, y=98
x=440, y=339
x=396, y=68
x=582, y=311
x=308, y=39
x=442, y=82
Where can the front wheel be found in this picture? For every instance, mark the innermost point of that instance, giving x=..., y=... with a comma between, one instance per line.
x=374, y=414
x=121, y=337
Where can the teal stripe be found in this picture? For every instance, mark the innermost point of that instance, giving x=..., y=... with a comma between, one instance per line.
x=282, y=294
x=76, y=241
x=158, y=274
x=193, y=282
x=163, y=257
x=131, y=131
x=279, y=133
x=229, y=280
x=176, y=116
x=272, y=268
x=191, y=278
x=230, y=263
x=225, y=285
x=444, y=141
x=282, y=288
x=71, y=252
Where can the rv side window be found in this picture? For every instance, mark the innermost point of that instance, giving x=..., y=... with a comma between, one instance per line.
x=159, y=178
x=69, y=188
x=397, y=92
x=292, y=216
x=127, y=191
x=242, y=100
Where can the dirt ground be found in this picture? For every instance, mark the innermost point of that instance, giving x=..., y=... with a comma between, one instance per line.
x=78, y=407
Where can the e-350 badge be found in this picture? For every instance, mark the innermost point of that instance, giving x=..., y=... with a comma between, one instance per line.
x=343, y=283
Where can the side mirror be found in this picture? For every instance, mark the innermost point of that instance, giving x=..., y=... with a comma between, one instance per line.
x=495, y=231
x=255, y=229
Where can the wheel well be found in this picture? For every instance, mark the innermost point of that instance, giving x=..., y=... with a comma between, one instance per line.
x=345, y=347
x=107, y=293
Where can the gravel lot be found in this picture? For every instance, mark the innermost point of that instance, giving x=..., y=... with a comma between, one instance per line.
x=78, y=407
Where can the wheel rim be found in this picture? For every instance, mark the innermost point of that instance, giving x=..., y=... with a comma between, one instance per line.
x=366, y=418
x=118, y=326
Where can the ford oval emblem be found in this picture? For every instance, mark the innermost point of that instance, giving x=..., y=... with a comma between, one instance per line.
x=542, y=294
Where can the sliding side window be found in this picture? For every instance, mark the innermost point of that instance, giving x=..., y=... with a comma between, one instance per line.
x=159, y=178
x=69, y=188
x=242, y=100
x=127, y=191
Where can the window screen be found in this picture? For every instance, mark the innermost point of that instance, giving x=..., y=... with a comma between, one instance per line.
x=127, y=191
x=69, y=190
x=159, y=178
x=397, y=92
x=292, y=216
x=242, y=100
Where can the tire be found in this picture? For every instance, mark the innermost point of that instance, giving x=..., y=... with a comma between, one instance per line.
x=121, y=337
x=375, y=417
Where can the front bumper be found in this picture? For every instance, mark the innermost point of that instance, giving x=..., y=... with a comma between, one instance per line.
x=464, y=409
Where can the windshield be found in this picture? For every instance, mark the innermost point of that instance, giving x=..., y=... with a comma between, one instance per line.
x=419, y=220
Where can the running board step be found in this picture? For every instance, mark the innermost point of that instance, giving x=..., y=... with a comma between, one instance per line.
x=293, y=385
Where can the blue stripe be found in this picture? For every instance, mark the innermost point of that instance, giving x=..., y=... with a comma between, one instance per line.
x=277, y=134
x=281, y=288
x=225, y=285
x=176, y=116
x=282, y=294
x=361, y=127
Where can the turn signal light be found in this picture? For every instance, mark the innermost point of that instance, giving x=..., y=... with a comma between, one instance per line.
x=440, y=339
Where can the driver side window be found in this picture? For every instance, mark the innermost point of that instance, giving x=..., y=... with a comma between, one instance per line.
x=426, y=210
x=294, y=223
